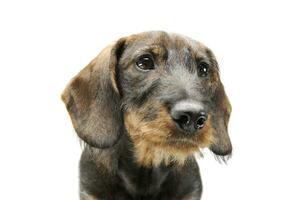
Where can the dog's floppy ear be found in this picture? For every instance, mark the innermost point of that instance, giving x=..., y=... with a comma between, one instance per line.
x=221, y=113
x=92, y=99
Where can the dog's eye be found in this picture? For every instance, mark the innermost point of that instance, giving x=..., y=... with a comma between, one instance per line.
x=145, y=63
x=203, y=69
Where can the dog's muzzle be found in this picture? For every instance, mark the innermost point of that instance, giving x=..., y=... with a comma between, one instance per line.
x=189, y=116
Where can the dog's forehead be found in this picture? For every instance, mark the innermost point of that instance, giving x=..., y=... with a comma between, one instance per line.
x=170, y=41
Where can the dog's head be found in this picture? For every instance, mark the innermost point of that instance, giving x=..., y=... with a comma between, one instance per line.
x=163, y=90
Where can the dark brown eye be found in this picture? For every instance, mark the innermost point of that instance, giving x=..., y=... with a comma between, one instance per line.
x=145, y=63
x=203, y=69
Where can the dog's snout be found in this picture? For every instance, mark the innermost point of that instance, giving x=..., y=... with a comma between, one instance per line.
x=189, y=116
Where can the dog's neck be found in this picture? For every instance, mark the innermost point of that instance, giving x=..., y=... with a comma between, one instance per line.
x=137, y=178
x=122, y=161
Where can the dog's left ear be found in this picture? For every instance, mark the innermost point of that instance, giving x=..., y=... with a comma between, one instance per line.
x=92, y=99
x=221, y=113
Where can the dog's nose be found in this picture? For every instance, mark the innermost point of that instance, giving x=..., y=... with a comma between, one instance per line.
x=189, y=116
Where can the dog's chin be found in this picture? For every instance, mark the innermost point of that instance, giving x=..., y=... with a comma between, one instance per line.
x=183, y=143
x=169, y=151
x=188, y=141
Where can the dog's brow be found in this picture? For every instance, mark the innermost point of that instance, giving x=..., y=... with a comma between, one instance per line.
x=154, y=49
x=202, y=58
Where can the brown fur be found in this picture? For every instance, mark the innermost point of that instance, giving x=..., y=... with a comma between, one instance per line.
x=153, y=141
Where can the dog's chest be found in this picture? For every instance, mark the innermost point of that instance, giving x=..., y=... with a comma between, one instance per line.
x=141, y=180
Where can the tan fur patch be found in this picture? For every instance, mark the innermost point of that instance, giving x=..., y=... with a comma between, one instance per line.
x=159, y=141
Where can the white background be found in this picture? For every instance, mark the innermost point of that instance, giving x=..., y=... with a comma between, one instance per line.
x=43, y=44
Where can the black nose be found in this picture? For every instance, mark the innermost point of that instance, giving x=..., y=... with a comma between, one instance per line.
x=188, y=116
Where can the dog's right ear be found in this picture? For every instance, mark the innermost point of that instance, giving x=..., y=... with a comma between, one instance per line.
x=92, y=99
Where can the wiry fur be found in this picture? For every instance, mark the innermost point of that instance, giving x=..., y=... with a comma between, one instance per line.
x=132, y=147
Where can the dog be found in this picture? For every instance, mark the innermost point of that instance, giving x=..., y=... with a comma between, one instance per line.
x=144, y=107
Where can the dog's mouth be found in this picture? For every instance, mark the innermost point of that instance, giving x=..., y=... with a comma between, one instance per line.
x=189, y=142
x=182, y=140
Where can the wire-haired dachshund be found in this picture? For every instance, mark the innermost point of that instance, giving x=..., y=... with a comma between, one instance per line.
x=143, y=107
